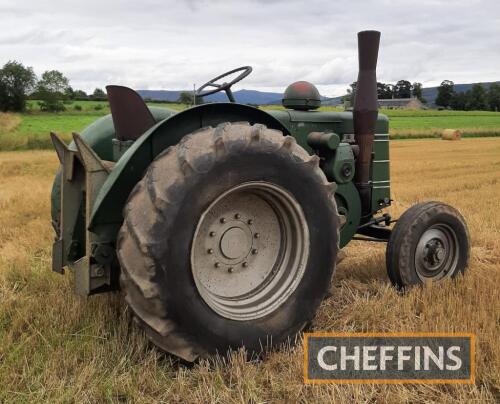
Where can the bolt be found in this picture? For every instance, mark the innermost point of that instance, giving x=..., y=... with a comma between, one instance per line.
x=254, y=251
x=210, y=251
x=222, y=220
x=217, y=265
x=99, y=271
x=256, y=235
x=230, y=270
x=212, y=234
x=245, y=264
x=250, y=221
x=237, y=216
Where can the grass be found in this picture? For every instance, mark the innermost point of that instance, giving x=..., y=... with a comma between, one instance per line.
x=428, y=123
x=56, y=347
x=98, y=108
x=31, y=130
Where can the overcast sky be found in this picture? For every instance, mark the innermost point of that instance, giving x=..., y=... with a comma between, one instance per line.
x=165, y=44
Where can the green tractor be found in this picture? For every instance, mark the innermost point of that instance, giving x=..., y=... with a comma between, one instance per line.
x=222, y=224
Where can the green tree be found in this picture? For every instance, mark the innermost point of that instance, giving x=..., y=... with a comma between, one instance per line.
x=445, y=93
x=99, y=94
x=69, y=93
x=459, y=101
x=402, y=89
x=80, y=94
x=416, y=91
x=16, y=82
x=186, y=97
x=351, y=92
x=494, y=97
x=51, y=91
x=384, y=91
x=476, y=98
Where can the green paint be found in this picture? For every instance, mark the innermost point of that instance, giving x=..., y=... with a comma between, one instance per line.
x=340, y=166
x=348, y=204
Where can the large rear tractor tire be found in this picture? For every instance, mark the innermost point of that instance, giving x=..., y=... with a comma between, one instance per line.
x=430, y=242
x=229, y=240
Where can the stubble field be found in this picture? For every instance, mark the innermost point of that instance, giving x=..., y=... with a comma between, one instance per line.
x=56, y=347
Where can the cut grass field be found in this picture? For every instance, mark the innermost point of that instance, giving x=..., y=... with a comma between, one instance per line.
x=31, y=130
x=430, y=123
x=56, y=347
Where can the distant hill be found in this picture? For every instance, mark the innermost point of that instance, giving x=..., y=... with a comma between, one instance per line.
x=160, y=95
x=430, y=93
x=270, y=98
x=242, y=96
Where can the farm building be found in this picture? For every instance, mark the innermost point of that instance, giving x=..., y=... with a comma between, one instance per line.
x=401, y=103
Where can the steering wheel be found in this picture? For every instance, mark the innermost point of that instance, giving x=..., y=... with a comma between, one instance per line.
x=245, y=71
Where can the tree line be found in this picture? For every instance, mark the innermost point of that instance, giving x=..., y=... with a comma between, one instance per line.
x=477, y=98
x=19, y=83
x=385, y=91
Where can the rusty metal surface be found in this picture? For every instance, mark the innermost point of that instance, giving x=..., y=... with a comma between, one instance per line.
x=131, y=116
x=365, y=111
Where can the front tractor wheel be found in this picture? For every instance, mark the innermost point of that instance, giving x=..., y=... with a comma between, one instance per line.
x=229, y=240
x=430, y=242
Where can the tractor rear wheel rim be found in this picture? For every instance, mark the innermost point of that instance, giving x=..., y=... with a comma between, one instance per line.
x=250, y=250
x=437, y=253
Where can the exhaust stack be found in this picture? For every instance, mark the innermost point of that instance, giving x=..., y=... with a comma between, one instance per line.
x=365, y=113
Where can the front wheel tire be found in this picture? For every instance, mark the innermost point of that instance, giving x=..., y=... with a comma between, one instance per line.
x=429, y=243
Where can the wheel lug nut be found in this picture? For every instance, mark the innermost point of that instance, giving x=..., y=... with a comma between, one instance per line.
x=222, y=220
x=256, y=235
x=212, y=234
x=217, y=265
x=230, y=270
x=237, y=216
x=245, y=264
x=210, y=251
x=254, y=251
x=250, y=221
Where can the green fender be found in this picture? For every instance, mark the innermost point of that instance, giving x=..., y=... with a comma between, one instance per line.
x=131, y=167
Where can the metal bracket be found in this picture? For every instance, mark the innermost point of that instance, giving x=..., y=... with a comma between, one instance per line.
x=71, y=192
x=89, y=274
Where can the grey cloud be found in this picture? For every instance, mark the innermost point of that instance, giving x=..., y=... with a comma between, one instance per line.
x=173, y=44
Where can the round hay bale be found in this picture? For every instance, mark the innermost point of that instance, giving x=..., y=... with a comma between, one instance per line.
x=451, y=134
